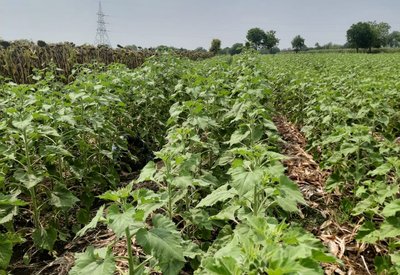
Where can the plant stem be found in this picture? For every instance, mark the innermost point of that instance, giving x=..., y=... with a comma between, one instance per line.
x=358, y=164
x=60, y=168
x=32, y=190
x=36, y=221
x=169, y=200
x=130, y=256
x=169, y=186
x=255, y=201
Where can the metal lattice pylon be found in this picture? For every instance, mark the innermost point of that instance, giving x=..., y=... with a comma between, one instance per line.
x=101, y=35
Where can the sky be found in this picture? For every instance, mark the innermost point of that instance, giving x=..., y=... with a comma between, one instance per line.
x=190, y=23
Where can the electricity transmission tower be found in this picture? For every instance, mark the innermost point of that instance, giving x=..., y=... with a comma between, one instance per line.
x=101, y=35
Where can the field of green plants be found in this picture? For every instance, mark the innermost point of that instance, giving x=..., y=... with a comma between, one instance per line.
x=179, y=167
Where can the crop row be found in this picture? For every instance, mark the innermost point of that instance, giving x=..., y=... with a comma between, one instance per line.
x=61, y=145
x=349, y=108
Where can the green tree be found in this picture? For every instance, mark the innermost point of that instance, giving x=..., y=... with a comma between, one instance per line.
x=361, y=35
x=381, y=33
x=270, y=40
x=200, y=49
x=298, y=43
x=215, y=46
x=256, y=37
x=236, y=48
x=260, y=39
x=131, y=47
x=225, y=50
x=394, y=39
x=274, y=50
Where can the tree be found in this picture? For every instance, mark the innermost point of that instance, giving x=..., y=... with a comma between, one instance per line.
x=131, y=47
x=236, y=48
x=260, y=39
x=361, y=35
x=256, y=37
x=215, y=46
x=275, y=50
x=381, y=33
x=394, y=39
x=224, y=50
x=4, y=44
x=270, y=40
x=200, y=49
x=298, y=43
x=41, y=43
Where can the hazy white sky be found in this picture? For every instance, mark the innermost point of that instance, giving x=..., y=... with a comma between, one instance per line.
x=190, y=23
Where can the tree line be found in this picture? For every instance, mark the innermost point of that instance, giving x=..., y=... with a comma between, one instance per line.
x=361, y=35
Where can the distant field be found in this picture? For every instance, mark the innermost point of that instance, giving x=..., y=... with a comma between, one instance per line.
x=251, y=164
x=340, y=50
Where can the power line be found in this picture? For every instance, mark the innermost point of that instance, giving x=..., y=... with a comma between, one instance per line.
x=101, y=34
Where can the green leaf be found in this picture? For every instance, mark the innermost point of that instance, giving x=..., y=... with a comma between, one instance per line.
x=391, y=208
x=192, y=250
x=29, y=180
x=119, y=221
x=272, y=156
x=349, y=150
x=237, y=137
x=395, y=257
x=220, y=194
x=160, y=221
x=93, y=222
x=57, y=151
x=110, y=196
x=147, y=172
x=45, y=238
x=270, y=125
x=227, y=214
x=244, y=181
x=222, y=266
x=390, y=228
x=83, y=216
x=9, y=206
x=61, y=197
x=22, y=124
x=364, y=205
x=290, y=195
x=148, y=201
x=182, y=182
x=322, y=257
x=6, y=251
x=164, y=243
x=7, y=242
x=366, y=233
x=275, y=171
x=382, y=264
x=381, y=170
x=48, y=131
x=94, y=261
x=116, y=196
x=333, y=139
x=68, y=119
